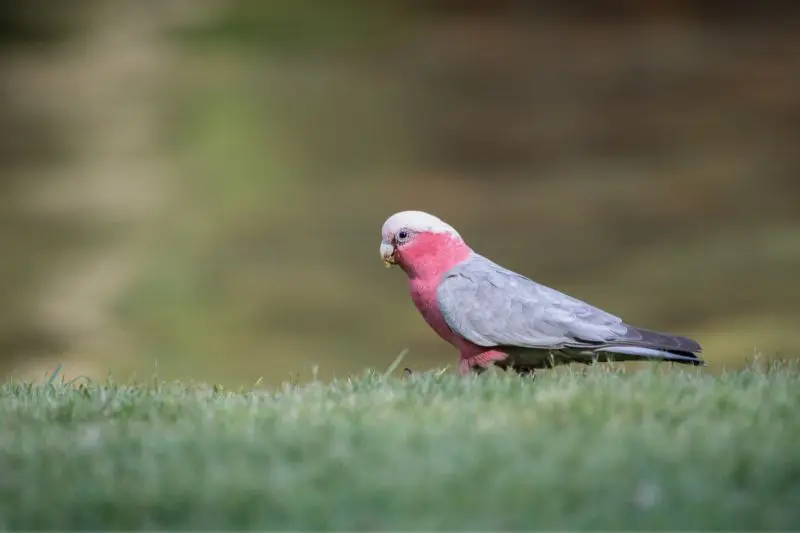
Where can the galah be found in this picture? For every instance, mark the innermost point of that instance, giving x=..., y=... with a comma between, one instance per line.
x=494, y=316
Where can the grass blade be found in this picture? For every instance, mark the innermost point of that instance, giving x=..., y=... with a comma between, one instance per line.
x=395, y=364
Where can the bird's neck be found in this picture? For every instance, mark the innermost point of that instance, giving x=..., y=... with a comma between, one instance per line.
x=431, y=255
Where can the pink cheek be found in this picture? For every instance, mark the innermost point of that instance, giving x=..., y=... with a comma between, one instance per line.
x=402, y=255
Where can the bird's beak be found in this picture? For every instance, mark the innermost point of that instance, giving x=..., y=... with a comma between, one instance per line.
x=387, y=254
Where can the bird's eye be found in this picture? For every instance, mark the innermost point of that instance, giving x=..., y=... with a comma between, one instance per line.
x=402, y=235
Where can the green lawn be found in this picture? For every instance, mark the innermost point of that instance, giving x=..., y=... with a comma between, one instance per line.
x=660, y=449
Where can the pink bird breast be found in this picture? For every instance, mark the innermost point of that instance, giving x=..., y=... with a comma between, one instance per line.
x=425, y=259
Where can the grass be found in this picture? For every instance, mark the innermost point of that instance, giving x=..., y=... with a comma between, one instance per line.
x=602, y=449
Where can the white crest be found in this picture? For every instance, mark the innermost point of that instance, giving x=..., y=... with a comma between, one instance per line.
x=418, y=221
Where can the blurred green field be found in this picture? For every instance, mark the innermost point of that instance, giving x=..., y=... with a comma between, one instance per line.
x=576, y=449
x=208, y=201
x=293, y=159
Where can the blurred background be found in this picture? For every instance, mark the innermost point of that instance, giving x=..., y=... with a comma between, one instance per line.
x=196, y=188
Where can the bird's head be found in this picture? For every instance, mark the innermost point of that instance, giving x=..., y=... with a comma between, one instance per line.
x=420, y=243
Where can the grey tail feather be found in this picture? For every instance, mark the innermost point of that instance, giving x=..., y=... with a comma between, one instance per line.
x=644, y=344
x=661, y=341
x=622, y=352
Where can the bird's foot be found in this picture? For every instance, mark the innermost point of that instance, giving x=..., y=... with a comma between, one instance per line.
x=478, y=363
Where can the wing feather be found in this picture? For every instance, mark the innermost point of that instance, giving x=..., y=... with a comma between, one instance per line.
x=492, y=306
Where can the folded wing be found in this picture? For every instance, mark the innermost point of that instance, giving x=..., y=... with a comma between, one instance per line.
x=492, y=306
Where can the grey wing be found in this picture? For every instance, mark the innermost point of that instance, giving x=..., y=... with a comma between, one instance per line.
x=493, y=306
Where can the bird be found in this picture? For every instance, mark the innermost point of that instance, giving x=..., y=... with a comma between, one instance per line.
x=496, y=317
